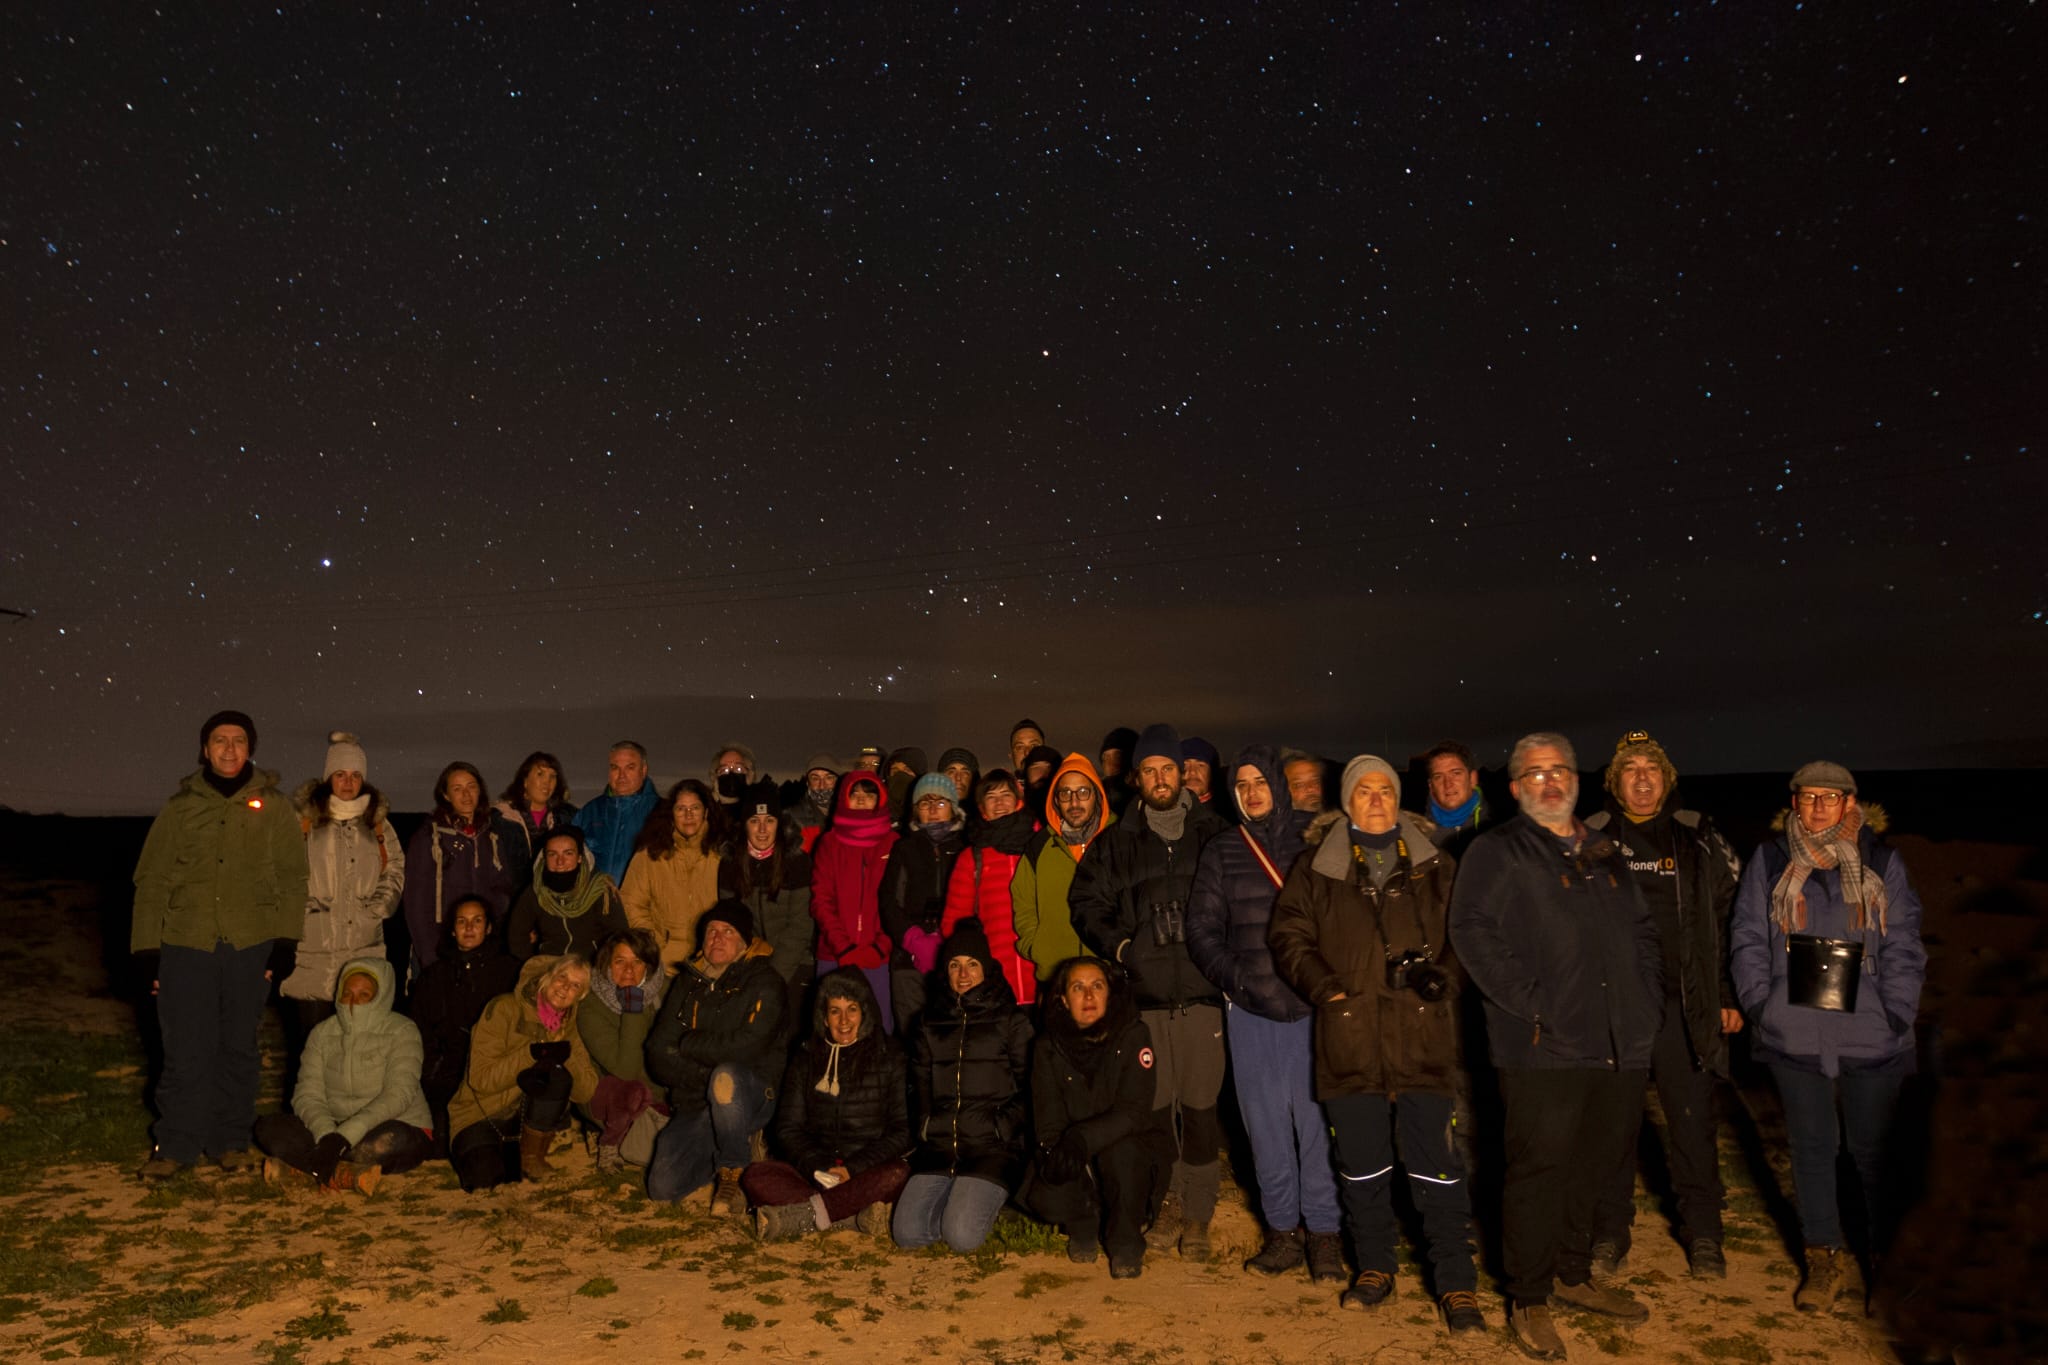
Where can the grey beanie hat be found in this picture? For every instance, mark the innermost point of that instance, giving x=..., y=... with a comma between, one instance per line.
x=1821, y=773
x=1359, y=767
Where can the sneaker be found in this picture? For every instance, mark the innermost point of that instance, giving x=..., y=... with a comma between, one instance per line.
x=160, y=1167
x=1370, y=1289
x=1283, y=1251
x=1164, y=1234
x=1534, y=1332
x=1824, y=1275
x=1461, y=1312
x=1326, y=1258
x=1126, y=1267
x=1608, y=1259
x=1194, y=1242
x=874, y=1219
x=1705, y=1261
x=725, y=1194
x=1590, y=1297
x=783, y=1222
x=1083, y=1246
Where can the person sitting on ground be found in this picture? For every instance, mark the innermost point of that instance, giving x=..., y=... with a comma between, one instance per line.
x=716, y=1047
x=625, y=995
x=842, y=1127
x=357, y=1113
x=471, y=971
x=570, y=907
x=1104, y=1159
x=969, y=1063
x=527, y=1065
x=673, y=877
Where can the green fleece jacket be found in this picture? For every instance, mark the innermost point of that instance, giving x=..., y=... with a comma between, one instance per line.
x=362, y=1066
x=221, y=867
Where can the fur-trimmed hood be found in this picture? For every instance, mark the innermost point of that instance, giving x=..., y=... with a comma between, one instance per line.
x=1332, y=857
x=311, y=817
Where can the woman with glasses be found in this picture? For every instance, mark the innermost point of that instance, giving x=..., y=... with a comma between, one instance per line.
x=1826, y=890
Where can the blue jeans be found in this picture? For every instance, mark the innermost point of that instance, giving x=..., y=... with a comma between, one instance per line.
x=961, y=1209
x=209, y=1005
x=1867, y=1104
x=1276, y=1072
x=702, y=1140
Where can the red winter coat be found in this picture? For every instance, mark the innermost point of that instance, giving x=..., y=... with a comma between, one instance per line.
x=980, y=887
x=846, y=878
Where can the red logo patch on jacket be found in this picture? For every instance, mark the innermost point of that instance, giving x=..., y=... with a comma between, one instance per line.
x=1145, y=1058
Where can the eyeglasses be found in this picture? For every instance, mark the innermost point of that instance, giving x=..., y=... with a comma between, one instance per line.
x=1544, y=776
x=1817, y=800
x=1073, y=796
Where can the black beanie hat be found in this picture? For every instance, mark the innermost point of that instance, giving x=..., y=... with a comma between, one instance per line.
x=731, y=912
x=1159, y=741
x=1202, y=749
x=969, y=939
x=763, y=798
x=220, y=718
x=1122, y=739
x=1044, y=753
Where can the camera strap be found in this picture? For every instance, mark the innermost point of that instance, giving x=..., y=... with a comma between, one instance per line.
x=1258, y=852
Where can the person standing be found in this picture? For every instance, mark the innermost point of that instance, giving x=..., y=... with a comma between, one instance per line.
x=1076, y=812
x=1687, y=875
x=536, y=803
x=220, y=900
x=847, y=868
x=611, y=822
x=1456, y=805
x=673, y=877
x=1553, y=932
x=462, y=849
x=1828, y=888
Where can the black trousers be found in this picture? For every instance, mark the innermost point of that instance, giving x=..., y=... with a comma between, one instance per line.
x=1686, y=1093
x=394, y=1145
x=1365, y=1129
x=486, y=1155
x=1565, y=1132
x=1117, y=1196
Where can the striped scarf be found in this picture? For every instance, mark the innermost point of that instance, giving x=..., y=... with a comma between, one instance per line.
x=1835, y=847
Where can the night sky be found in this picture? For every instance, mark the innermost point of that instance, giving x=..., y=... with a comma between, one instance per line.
x=493, y=379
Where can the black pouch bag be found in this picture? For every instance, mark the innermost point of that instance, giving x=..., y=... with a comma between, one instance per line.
x=1824, y=972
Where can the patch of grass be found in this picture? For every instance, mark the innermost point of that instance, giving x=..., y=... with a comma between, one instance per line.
x=740, y=1322
x=508, y=1310
x=1744, y=1346
x=599, y=1287
x=326, y=1324
x=769, y=1300
x=1038, y=1281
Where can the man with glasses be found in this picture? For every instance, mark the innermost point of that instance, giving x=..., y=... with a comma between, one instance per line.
x=1686, y=872
x=1554, y=934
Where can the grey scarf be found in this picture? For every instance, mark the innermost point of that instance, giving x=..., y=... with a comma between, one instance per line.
x=1171, y=823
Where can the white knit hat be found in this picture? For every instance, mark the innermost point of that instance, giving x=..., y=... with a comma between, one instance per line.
x=345, y=755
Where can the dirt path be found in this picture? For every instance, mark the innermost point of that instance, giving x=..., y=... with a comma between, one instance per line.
x=218, y=1267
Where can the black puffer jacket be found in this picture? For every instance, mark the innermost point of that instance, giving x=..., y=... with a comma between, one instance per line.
x=1099, y=1080
x=707, y=1022
x=1561, y=946
x=1127, y=875
x=446, y=1003
x=913, y=893
x=969, y=1065
x=1234, y=895
x=868, y=1121
x=1332, y=933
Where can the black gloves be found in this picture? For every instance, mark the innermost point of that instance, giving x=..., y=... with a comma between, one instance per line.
x=550, y=1054
x=1065, y=1159
x=329, y=1152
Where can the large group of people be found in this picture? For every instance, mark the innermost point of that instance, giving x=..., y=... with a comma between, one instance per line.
x=905, y=996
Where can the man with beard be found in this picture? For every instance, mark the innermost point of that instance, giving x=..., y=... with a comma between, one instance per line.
x=1129, y=903
x=1687, y=874
x=1198, y=769
x=810, y=812
x=1552, y=930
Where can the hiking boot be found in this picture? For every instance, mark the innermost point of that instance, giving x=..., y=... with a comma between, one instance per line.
x=1083, y=1245
x=783, y=1222
x=1126, y=1267
x=1534, y=1332
x=1608, y=1259
x=1326, y=1258
x=1461, y=1312
x=1589, y=1297
x=1705, y=1261
x=1370, y=1289
x=533, y=1153
x=874, y=1219
x=241, y=1159
x=1282, y=1252
x=725, y=1194
x=1164, y=1234
x=1824, y=1275
x=159, y=1167
x=1194, y=1241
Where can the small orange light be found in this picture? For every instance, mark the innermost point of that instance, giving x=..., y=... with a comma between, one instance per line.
x=255, y=803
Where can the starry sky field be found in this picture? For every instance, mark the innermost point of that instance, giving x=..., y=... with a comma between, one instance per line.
x=493, y=378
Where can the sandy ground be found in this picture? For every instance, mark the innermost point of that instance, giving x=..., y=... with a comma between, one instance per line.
x=220, y=1267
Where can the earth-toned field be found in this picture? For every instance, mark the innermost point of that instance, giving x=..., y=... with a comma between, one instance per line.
x=212, y=1266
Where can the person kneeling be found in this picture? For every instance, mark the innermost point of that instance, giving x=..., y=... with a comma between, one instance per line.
x=357, y=1113
x=527, y=1064
x=715, y=1046
x=1103, y=1158
x=843, y=1125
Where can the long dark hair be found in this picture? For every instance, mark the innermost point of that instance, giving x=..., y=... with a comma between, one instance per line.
x=658, y=832
x=441, y=806
x=741, y=874
x=515, y=790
